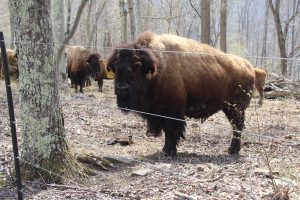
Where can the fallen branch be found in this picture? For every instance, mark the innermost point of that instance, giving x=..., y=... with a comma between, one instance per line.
x=212, y=180
x=181, y=196
x=281, y=93
x=63, y=187
x=96, y=161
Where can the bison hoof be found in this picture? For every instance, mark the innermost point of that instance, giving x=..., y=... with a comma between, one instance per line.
x=149, y=134
x=235, y=146
x=170, y=152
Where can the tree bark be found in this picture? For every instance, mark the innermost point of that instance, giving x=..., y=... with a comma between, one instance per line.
x=139, y=16
x=223, y=26
x=132, y=20
x=265, y=35
x=59, y=32
x=12, y=28
x=69, y=9
x=280, y=36
x=107, y=42
x=205, y=21
x=88, y=21
x=123, y=14
x=44, y=141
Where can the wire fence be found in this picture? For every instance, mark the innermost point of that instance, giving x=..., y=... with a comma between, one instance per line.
x=271, y=65
x=251, y=131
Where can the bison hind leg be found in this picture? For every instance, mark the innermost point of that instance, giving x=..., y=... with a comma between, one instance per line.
x=236, y=117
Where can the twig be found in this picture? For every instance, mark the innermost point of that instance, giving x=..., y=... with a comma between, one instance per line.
x=275, y=189
x=67, y=187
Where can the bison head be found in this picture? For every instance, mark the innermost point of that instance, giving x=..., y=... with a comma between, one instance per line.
x=93, y=62
x=133, y=67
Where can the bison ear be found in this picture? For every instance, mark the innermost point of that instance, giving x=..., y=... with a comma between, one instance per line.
x=16, y=55
x=89, y=60
x=149, y=62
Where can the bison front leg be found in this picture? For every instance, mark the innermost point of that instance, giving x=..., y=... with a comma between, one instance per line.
x=75, y=86
x=173, y=132
x=81, y=86
x=153, y=127
x=100, y=84
x=236, y=118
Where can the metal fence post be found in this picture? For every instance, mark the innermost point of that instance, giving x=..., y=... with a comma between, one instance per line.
x=11, y=116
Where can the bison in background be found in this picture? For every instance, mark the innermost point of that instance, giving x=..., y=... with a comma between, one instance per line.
x=171, y=76
x=81, y=64
x=260, y=80
x=12, y=58
x=104, y=74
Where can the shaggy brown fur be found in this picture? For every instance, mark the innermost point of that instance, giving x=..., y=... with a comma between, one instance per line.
x=103, y=74
x=260, y=79
x=12, y=64
x=187, y=79
x=81, y=64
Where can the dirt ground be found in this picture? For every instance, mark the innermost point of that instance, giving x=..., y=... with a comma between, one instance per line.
x=269, y=159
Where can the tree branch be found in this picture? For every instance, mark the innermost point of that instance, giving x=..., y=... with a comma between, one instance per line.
x=71, y=33
x=191, y=3
x=287, y=23
x=98, y=14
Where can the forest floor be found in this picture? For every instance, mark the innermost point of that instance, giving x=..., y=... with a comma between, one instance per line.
x=269, y=160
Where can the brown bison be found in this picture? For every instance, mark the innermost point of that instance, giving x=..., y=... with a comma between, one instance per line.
x=167, y=75
x=12, y=58
x=81, y=64
x=104, y=74
x=260, y=79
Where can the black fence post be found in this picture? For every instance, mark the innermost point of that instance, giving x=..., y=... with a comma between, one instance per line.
x=11, y=116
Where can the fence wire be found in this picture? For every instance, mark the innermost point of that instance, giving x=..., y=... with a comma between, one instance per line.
x=165, y=172
x=160, y=51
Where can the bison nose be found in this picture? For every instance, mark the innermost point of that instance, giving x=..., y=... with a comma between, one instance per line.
x=123, y=91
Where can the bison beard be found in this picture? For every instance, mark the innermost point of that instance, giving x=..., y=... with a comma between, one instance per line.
x=178, y=85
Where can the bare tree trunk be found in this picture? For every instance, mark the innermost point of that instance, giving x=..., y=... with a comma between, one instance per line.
x=205, y=21
x=95, y=46
x=59, y=32
x=132, y=19
x=265, y=35
x=43, y=133
x=223, y=26
x=97, y=17
x=247, y=22
x=147, y=17
x=107, y=42
x=12, y=28
x=88, y=21
x=280, y=36
x=139, y=17
x=123, y=14
x=69, y=8
x=293, y=37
